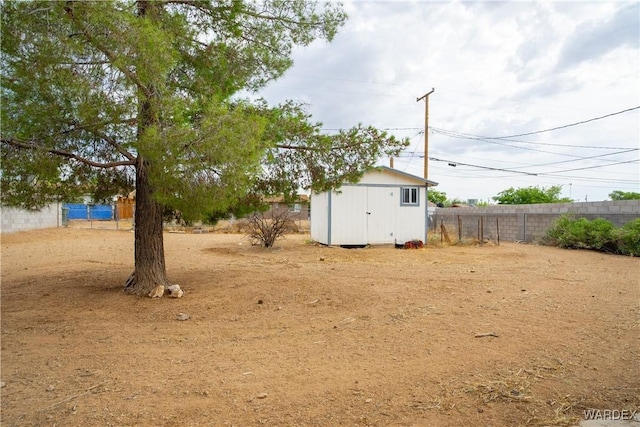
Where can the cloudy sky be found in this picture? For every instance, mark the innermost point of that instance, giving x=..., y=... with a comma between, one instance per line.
x=499, y=70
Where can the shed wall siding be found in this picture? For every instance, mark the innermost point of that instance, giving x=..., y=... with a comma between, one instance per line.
x=381, y=206
x=411, y=220
x=348, y=212
x=370, y=211
x=320, y=217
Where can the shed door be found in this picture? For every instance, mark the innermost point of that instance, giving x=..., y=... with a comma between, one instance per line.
x=381, y=207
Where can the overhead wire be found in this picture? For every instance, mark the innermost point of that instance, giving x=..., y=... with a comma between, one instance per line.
x=454, y=163
x=569, y=125
x=582, y=158
x=461, y=135
x=597, y=166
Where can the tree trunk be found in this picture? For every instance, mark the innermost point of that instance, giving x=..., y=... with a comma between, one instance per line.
x=150, y=270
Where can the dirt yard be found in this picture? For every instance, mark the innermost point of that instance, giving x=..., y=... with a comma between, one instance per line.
x=306, y=335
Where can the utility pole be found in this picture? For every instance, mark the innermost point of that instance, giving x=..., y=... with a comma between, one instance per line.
x=426, y=131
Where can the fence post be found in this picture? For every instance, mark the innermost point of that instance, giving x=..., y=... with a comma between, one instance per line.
x=459, y=229
x=498, y=230
x=89, y=208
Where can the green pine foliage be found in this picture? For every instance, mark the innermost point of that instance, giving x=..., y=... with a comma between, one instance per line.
x=92, y=91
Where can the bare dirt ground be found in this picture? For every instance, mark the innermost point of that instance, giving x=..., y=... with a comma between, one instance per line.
x=306, y=335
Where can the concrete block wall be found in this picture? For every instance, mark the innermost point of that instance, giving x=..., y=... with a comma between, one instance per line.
x=526, y=222
x=13, y=219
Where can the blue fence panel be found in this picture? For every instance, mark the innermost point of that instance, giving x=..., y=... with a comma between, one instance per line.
x=76, y=211
x=86, y=212
x=101, y=212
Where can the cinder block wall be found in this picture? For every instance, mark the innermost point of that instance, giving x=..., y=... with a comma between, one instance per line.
x=525, y=222
x=18, y=219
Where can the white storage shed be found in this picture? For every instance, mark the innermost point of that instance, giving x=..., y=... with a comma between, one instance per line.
x=385, y=206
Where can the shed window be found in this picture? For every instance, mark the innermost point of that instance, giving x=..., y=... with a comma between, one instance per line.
x=409, y=196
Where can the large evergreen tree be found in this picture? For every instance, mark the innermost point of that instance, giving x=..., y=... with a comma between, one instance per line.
x=110, y=91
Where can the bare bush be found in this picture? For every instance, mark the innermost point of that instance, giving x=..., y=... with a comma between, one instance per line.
x=266, y=228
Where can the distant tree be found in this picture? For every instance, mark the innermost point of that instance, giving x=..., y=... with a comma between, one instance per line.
x=437, y=197
x=624, y=195
x=454, y=201
x=146, y=90
x=530, y=195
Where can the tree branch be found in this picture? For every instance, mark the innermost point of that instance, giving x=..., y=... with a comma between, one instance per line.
x=63, y=153
x=109, y=140
x=307, y=148
x=296, y=147
x=107, y=52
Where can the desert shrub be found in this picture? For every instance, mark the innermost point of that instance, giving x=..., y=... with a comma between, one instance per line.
x=265, y=231
x=627, y=238
x=598, y=234
x=566, y=232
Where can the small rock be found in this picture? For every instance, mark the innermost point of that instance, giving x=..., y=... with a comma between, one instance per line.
x=321, y=258
x=182, y=316
x=51, y=388
x=157, y=292
x=261, y=396
x=175, y=291
x=260, y=301
x=2, y=384
x=368, y=401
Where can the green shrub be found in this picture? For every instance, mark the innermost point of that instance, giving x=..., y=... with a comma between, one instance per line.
x=568, y=232
x=599, y=234
x=627, y=238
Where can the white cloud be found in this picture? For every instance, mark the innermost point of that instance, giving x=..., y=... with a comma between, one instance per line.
x=499, y=68
x=595, y=37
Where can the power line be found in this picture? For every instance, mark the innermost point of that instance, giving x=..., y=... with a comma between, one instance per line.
x=420, y=154
x=582, y=158
x=454, y=164
x=598, y=166
x=569, y=125
x=460, y=135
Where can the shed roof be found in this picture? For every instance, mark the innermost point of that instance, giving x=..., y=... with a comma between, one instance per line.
x=407, y=175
